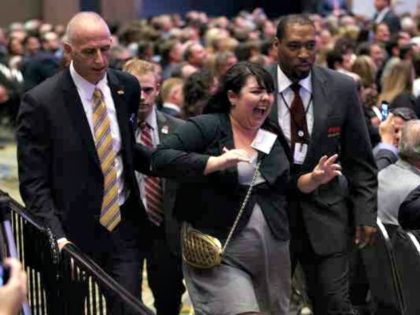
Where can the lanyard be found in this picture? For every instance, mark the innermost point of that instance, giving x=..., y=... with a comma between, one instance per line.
x=289, y=109
x=301, y=133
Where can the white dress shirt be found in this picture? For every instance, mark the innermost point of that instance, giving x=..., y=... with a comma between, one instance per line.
x=381, y=15
x=85, y=90
x=172, y=106
x=285, y=93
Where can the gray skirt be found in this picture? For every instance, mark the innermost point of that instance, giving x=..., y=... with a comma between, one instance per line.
x=254, y=275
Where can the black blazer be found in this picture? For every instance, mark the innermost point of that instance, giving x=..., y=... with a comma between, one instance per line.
x=384, y=158
x=170, y=112
x=61, y=181
x=211, y=202
x=409, y=212
x=392, y=20
x=339, y=127
x=167, y=125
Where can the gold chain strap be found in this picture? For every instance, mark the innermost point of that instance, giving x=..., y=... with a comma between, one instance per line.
x=241, y=210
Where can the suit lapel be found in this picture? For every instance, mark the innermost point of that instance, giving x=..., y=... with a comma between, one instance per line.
x=77, y=114
x=274, y=119
x=320, y=105
x=271, y=166
x=118, y=92
x=164, y=126
x=274, y=111
x=226, y=141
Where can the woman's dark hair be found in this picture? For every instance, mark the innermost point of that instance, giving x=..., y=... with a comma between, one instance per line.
x=234, y=80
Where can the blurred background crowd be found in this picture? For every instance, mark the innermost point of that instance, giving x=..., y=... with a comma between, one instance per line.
x=192, y=51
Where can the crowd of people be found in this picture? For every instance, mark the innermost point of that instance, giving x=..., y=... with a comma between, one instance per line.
x=129, y=134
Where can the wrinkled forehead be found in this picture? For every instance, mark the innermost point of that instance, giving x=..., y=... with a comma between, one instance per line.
x=93, y=40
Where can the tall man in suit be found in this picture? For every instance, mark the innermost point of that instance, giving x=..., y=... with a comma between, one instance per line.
x=76, y=156
x=164, y=264
x=318, y=114
x=385, y=14
x=172, y=97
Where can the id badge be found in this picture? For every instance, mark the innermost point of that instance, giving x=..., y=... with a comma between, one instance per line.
x=264, y=141
x=300, y=153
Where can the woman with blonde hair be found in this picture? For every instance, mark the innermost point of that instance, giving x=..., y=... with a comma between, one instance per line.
x=398, y=86
x=366, y=69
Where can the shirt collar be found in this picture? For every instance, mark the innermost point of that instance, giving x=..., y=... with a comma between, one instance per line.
x=84, y=87
x=151, y=120
x=172, y=106
x=384, y=11
x=283, y=82
x=381, y=14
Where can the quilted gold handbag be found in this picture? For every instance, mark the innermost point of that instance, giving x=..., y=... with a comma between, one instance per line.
x=202, y=250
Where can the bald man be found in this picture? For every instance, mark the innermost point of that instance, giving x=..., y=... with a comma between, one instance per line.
x=76, y=155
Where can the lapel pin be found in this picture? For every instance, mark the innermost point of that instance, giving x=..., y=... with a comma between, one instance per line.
x=165, y=129
x=120, y=92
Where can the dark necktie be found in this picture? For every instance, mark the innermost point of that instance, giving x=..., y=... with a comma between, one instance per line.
x=152, y=185
x=298, y=125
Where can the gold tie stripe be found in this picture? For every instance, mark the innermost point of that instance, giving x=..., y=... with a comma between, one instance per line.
x=110, y=211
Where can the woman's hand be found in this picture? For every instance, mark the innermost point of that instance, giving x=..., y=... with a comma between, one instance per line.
x=325, y=171
x=228, y=159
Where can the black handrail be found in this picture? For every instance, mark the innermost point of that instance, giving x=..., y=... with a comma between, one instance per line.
x=52, y=275
x=396, y=279
x=407, y=254
x=90, y=267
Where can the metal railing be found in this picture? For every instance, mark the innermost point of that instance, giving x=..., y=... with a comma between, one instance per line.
x=69, y=282
x=382, y=273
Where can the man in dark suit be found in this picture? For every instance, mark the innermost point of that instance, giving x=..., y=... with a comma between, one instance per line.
x=335, y=7
x=76, y=156
x=386, y=152
x=172, y=97
x=318, y=114
x=384, y=14
x=164, y=264
x=44, y=63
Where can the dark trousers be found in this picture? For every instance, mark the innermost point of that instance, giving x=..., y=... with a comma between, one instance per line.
x=327, y=276
x=164, y=273
x=123, y=261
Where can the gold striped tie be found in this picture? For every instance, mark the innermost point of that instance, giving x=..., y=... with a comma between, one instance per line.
x=110, y=210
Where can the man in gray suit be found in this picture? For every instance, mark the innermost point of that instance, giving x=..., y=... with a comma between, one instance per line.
x=318, y=113
x=398, y=181
x=164, y=267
